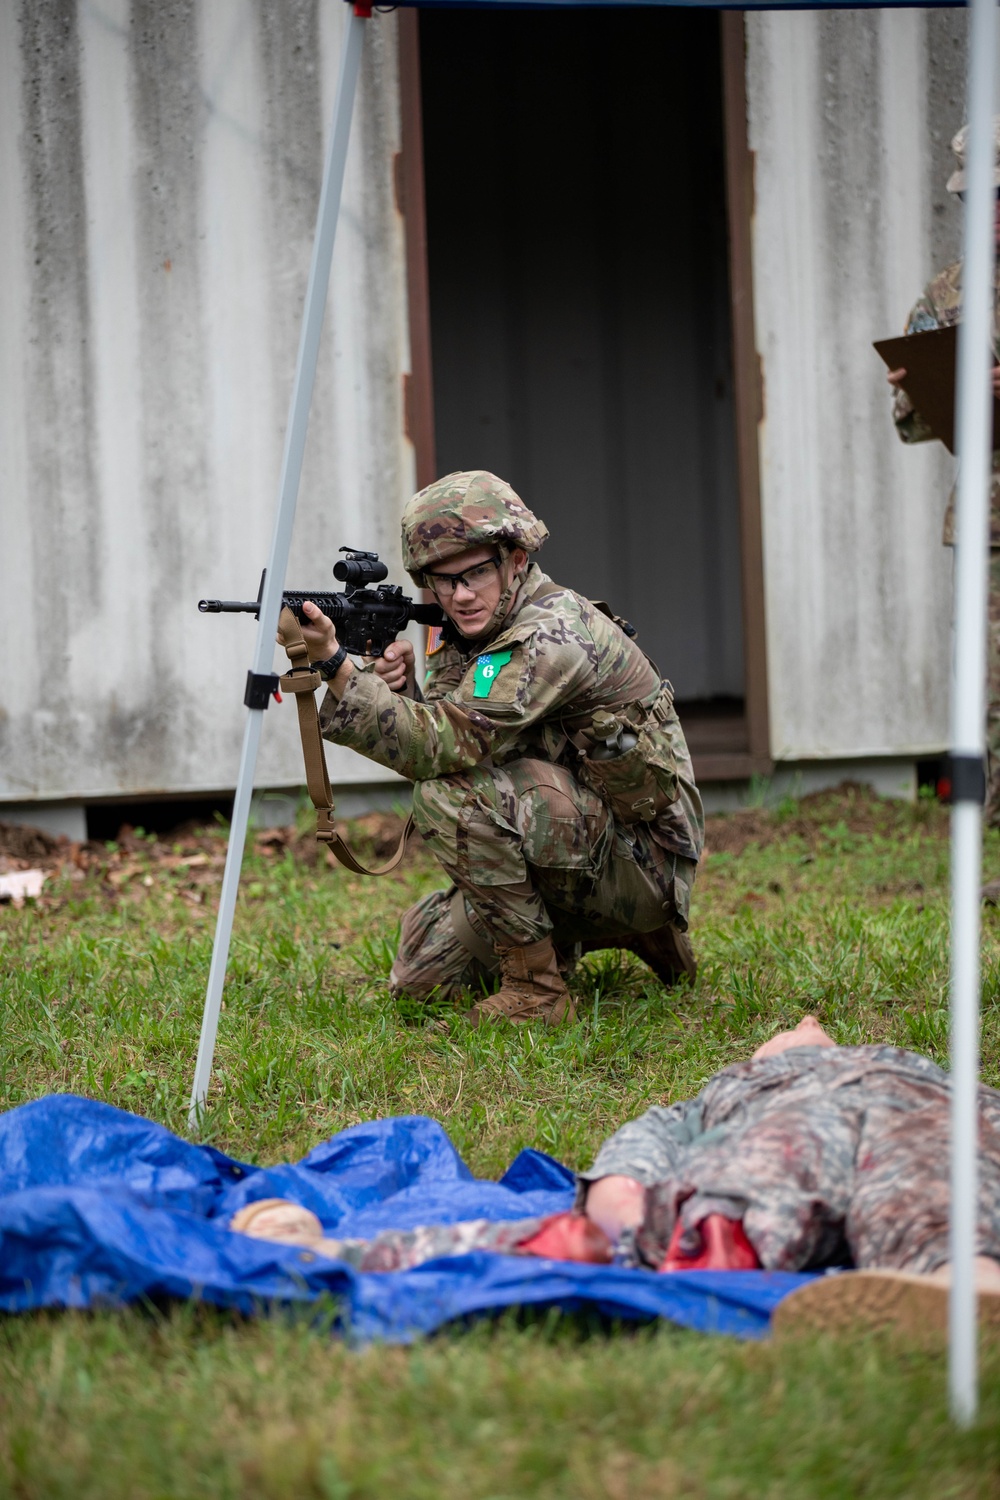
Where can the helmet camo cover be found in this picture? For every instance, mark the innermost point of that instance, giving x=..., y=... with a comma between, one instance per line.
x=470, y=508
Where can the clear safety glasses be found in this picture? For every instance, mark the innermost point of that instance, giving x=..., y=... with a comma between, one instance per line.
x=478, y=578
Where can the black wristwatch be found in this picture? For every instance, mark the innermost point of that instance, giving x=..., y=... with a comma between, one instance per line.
x=332, y=665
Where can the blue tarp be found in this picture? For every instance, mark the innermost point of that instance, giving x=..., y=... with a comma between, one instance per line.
x=99, y=1207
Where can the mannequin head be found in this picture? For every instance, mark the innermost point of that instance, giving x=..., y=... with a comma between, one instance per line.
x=808, y=1033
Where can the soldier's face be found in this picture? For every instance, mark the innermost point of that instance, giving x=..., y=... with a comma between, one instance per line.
x=471, y=605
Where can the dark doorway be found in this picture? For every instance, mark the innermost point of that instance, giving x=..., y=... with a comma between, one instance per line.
x=580, y=327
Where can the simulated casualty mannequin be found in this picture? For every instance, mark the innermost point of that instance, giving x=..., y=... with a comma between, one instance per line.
x=809, y=1156
x=823, y=1155
x=551, y=777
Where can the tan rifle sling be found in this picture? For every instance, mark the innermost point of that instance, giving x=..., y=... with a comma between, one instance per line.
x=302, y=683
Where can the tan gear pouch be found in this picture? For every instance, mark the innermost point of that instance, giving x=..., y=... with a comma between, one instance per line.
x=639, y=784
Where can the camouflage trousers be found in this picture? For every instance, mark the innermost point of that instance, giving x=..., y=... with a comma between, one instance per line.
x=827, y=1156
x=993, y=695
x=402, y=1249
x=532, y=852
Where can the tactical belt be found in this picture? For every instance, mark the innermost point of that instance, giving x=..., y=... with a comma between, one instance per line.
x=301, y=681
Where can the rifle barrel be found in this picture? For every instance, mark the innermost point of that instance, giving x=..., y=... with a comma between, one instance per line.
x=339, y=607
x=229, y=606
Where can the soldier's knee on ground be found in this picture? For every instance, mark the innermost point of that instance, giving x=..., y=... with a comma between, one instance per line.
x=432, y=961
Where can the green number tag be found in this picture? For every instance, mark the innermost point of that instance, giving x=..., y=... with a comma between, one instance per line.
x=487, y=667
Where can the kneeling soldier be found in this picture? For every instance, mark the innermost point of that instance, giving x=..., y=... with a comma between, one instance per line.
x=551, y=777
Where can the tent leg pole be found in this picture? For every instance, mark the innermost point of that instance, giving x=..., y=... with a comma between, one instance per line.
x=966, y=845
x=974, y=429
x=288, y=491
x=227, y=908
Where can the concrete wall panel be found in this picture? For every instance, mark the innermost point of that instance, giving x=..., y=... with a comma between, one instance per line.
x=15, y=250
x=850, y=114
x=160, y=165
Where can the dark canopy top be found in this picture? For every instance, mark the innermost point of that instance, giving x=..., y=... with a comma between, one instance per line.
x=693, y=4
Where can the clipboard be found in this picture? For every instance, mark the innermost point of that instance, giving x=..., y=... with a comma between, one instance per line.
x=929, y=360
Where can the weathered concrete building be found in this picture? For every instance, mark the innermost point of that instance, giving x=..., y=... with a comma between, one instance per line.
x=632, y=260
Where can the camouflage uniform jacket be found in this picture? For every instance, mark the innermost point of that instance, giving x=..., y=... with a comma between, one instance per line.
x=940, y=306
x=553, y=663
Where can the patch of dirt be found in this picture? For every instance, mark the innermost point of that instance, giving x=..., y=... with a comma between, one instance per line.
x=194, y=857
x=196, y=852
x=20, y=842
x=372, y=839
x=382, y=832
x=731, y=833
x=821, y=816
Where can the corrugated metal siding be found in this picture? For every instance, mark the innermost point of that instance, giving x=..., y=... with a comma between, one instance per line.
x=850, y=118
x=160, y=168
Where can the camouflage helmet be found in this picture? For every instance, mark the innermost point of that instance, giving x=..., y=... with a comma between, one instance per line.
x=471, y=508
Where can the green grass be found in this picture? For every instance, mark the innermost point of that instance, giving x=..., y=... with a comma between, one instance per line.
x=195, y=1405
x=836, y=905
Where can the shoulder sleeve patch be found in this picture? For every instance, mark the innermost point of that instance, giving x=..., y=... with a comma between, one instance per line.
x=496, y=680
x=487, y=667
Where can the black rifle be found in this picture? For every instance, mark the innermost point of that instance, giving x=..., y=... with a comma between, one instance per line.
x=367, y=618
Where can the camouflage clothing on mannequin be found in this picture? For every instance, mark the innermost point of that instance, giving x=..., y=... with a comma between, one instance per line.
x=551, y=777
x=940, y=306
x=826, y=1155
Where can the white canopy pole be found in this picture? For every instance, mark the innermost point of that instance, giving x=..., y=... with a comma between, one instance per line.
x=288, y=492
x=974, y=430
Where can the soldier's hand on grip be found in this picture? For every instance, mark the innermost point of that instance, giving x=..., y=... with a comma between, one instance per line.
x=396, y=666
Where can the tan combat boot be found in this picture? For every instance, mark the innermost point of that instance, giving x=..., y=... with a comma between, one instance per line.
x=531, y=989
